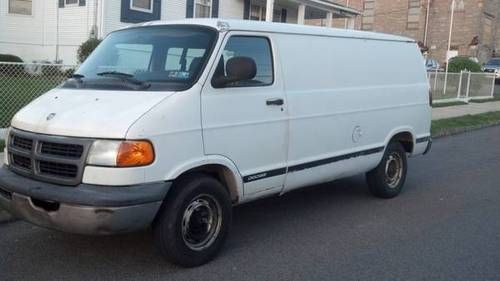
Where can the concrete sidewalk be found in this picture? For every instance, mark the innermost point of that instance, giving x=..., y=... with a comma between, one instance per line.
x=461, y=110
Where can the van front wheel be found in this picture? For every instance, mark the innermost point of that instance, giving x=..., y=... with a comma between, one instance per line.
x=194, y=221
x=388, y=178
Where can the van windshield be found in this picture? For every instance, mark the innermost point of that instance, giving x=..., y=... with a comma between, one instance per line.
x=153, y=58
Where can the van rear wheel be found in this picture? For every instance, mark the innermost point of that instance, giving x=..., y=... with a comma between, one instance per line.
x=194, y=221
x=388, y=178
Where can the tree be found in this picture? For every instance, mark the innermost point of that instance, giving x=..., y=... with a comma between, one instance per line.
x=87, y=48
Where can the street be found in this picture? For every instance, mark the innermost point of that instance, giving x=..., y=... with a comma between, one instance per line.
x=444, y=226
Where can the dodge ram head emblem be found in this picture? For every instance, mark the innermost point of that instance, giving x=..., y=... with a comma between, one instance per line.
x=51, y=116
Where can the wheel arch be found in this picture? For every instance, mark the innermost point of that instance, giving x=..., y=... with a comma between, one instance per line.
x=404, y=135
x=220, y=168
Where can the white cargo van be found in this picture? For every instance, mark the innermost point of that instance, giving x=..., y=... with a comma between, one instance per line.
x=170, y=124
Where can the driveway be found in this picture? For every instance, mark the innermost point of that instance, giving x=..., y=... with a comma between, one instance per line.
x=444, y=226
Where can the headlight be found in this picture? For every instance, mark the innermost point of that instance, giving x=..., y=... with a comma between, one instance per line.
x=121, y=153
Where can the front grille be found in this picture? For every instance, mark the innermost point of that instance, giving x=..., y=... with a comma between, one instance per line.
x=22, y=143
x=58, y=169
x=52, y=159
x=59, y=149
x=21, y=162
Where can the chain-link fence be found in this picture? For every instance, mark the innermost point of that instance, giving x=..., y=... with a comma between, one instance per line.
x=462, y=86
x=20, y=83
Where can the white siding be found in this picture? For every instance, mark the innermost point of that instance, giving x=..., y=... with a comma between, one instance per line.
x=23, y=35
x=112, y=12
x=231, y=9
x=75, y=25
x=173, y=9
x=35, y=37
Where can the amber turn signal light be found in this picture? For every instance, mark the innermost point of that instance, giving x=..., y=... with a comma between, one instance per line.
x=135, y=153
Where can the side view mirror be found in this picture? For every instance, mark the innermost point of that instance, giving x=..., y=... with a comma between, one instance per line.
x=237, y=69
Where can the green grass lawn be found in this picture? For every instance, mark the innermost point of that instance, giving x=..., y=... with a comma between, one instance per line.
x=448, y=126
x=19, y=91
x=445, y=104
x=496, y=98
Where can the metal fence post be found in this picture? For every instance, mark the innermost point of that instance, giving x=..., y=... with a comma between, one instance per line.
x=493, y=86
x=435, y=80
x=459, y=84
x=468, y=87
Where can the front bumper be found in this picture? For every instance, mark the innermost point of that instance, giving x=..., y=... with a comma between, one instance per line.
x=83, y=209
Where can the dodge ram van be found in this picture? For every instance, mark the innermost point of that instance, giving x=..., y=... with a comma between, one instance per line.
x=170, y=124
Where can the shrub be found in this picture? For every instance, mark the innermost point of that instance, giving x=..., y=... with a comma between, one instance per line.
x=68, y=72
x=86, y=48
x=9, y=58
x=11, y=70
x=458, y=64
x=52, y=71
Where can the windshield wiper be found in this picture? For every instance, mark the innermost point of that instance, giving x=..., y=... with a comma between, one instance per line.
x=125, y=77
x=77, y=76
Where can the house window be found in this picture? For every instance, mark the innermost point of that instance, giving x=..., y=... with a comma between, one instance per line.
x=202, y=8
x=142, y=5
x=413, y=15
x=21, y=7
x=487, y=30
x=368, y=15
x=71, y=2
x=257, y=12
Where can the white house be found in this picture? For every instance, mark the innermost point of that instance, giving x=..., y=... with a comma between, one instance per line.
x=52, y=30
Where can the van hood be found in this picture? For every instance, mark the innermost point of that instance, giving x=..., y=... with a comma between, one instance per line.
x=86, y=113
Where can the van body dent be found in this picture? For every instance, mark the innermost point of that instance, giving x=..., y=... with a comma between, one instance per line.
x=169, y=124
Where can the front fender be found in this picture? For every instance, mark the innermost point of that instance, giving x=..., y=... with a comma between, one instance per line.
x=209, y=160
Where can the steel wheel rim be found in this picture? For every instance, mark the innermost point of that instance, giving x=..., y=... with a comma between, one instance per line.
x=393, y=169
x=201, y=222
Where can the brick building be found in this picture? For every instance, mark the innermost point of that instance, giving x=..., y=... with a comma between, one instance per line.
x=476, y=25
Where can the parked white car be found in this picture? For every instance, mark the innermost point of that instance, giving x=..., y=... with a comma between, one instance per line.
x=170, y=124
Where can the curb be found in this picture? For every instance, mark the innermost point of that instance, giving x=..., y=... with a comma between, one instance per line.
x=6, y=217
x=456, y=131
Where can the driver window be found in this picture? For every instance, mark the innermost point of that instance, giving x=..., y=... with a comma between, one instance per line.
x=256, y=48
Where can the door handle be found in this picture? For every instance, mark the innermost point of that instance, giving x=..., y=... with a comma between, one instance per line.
x=275, y=102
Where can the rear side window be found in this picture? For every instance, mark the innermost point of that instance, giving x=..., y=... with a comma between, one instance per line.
x=257, y=48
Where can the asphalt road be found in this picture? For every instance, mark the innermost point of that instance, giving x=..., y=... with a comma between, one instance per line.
x=444, y=226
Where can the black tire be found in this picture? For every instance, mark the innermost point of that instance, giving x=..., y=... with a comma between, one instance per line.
x=388, y=184
x=193, y=198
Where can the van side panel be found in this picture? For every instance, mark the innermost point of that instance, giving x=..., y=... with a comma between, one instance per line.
x=345, y=98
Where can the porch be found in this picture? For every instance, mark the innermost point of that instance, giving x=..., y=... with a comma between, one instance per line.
x=312, y=12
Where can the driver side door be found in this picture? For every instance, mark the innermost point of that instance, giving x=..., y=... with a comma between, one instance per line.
x=246, y=121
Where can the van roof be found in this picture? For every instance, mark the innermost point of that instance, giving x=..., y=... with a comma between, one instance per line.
x=250, y=25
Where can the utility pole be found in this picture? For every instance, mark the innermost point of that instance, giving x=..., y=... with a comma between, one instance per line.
x=346, y=21
x=57, y=32
x=427, y=21
x=449, y=46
